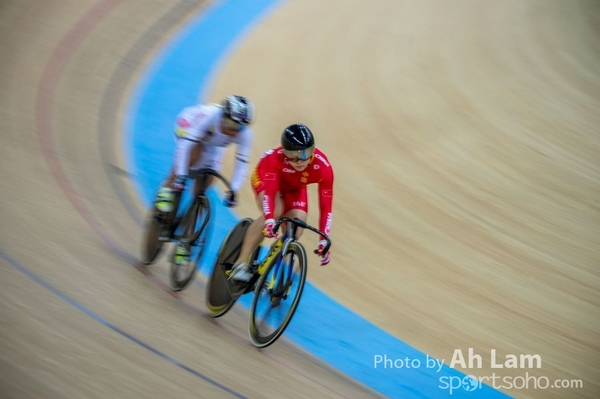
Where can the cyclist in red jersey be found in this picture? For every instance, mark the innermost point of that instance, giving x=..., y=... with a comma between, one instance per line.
x=279, y=183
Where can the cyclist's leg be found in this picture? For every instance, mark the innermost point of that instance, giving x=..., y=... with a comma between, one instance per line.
x=295, y=206
x=167, y=199
x=254, y=235
x=204, y=159
x=170, y=198
x=211, y=159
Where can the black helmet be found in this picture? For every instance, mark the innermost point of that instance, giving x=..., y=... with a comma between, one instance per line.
x=239, y=109
x=297, y=137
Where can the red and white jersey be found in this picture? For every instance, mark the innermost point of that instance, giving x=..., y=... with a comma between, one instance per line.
x=273, y=173
x=202, y=124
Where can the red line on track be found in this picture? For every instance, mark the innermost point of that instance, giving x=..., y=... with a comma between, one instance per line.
x=43, y=116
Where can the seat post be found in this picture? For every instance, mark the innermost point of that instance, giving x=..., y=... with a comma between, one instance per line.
x=202, y=183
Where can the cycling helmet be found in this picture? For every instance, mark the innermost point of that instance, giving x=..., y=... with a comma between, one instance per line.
x=297, y=137
x=238, y=109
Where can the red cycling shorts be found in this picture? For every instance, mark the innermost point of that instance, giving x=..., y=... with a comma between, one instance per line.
x=296, y=198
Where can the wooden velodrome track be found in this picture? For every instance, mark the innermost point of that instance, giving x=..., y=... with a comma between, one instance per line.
x=465, y=139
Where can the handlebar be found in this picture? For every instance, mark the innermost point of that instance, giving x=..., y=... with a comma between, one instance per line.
x=210, y=172
x=304, y=225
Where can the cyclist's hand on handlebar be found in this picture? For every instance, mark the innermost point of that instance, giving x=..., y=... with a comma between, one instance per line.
x=325, y=258
x=268, y=229
x=230, y=199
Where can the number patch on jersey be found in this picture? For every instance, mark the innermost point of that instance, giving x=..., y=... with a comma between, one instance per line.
x=181, y=126
x=180, y=132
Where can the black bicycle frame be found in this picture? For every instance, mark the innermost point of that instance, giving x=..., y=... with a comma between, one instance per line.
x=201, y=175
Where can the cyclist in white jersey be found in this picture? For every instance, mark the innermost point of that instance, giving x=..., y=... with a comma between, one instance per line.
x=202, y=133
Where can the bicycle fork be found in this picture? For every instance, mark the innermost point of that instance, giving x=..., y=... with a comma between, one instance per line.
x=282, y=272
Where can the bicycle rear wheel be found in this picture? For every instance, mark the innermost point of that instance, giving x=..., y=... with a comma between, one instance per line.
x=198, y=214
x=218, y=291
x=277, y=296
x=151, y=243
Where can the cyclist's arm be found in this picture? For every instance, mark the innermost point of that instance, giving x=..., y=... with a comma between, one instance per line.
x=326, y=200
x=242, y=157
x=269, y=176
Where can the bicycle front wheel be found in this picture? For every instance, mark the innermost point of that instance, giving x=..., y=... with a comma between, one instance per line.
x=181, y=275
x=277, y=296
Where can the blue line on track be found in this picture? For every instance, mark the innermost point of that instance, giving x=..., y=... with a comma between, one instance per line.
x=321, y=326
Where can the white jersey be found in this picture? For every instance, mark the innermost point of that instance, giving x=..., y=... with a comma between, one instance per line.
x=202, y=124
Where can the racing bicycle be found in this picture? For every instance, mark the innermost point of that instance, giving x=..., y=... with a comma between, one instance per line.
x=277, y=283
x=191, y=229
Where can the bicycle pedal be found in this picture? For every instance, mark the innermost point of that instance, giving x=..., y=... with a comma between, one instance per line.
x=181, y=264
x=158, y=220
x=230, y=274
x=165, y=237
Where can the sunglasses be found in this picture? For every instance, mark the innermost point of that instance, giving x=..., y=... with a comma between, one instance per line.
x=296, y=158
x=232, y=125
